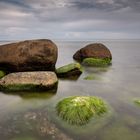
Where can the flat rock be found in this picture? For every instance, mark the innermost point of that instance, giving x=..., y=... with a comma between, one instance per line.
x=29, y=55
x=29, y=81
x=96, y=50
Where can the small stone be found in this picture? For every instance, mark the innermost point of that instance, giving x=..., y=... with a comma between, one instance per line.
x=73, y=69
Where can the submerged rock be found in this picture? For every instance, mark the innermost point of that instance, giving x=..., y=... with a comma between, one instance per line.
x=29, y=81
x=29, y=55
x=78, y=110
x=70, y=70
x=137, y=101
x=2, y=74
x=96, y=50
x=31, y=125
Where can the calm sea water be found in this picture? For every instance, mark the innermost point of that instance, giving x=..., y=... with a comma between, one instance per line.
x=23, y=116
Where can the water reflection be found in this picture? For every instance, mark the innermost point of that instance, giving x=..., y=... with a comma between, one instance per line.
x=35, y=94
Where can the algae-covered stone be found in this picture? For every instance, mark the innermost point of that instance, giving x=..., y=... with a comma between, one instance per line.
x=73, y=69
x=96, y=62
x=91, y=77
x=2, y=74
x=79, y=110
x=137, y=101
x=29, y=81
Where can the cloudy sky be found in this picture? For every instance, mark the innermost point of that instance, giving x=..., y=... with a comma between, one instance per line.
x=69, y=19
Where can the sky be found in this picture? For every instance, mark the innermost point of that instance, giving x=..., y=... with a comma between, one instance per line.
x=69, y=19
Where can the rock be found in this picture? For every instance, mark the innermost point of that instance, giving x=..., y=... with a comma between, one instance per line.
x=96, y=50
x=29, y=55
x=29, y=81
x=73, y=69
x=2, y=74
x=78, y=110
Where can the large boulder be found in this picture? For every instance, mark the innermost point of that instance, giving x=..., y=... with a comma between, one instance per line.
x=96, y=50
x=29, y=55
x=29, y=81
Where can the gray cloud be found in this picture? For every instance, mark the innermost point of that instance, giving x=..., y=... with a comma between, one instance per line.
x=75, y=19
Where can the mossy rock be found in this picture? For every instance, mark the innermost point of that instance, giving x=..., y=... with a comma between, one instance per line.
x=29, y=81
x=73, y=69
x=97, y=62
x=137, y=101
x=2, y=74
x=78, y=110
x=91, y=77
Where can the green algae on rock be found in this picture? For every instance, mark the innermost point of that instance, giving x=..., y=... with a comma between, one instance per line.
x=137, y=101
x=29, y=81
x=97, y=62
x=2, y=74
x=91, y=77
x=78, y=110
x=73, y=69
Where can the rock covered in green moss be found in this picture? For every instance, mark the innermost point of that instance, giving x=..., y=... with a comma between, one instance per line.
x=79, y=110
x=73, y=69
x=2, y=74
x=96, y=62
x=137, y=101
x=91, y=77
x=29, y=81
x=96, y=50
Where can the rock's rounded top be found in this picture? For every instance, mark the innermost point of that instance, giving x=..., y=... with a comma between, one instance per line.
x=29, y=55
x=96, y=50
x=28, y=42
x=26, y=80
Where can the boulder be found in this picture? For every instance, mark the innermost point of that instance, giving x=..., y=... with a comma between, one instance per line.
x=29, y=55
x=96, y=50
x=70, y=70
x=29, y=81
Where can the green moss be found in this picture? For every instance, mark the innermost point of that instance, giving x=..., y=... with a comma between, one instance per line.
x=69, y=67
x=91, y=77
x=79, y=110
x=2, y=73
x=24, y=138
x=137, y=101
x=96, y=62
x=25, y=87
x=72, y=69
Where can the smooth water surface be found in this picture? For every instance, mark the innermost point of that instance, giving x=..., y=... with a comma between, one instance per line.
x=33, y=116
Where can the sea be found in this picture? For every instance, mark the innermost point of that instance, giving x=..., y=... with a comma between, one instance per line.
x=33, y=116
